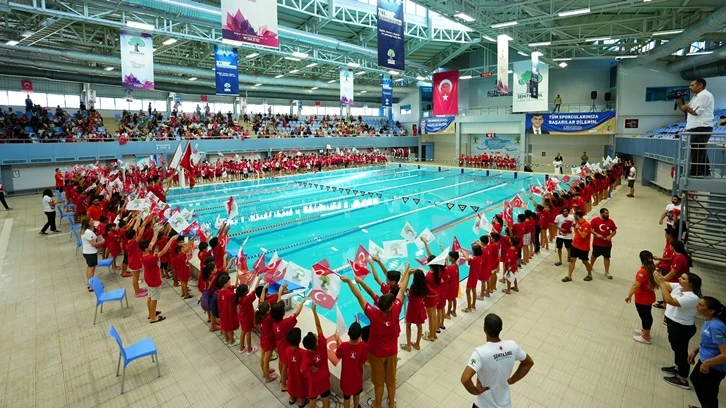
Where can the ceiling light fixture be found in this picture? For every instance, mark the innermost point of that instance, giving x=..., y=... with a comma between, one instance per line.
x=394, y=73
x=258, y=85
x=399, y=80
x=626, y=56
x=294, y=71
x=298, y=54
x=562, y=64
x=292, y=59
x=597, y=39
x=332, y=80
x=313, y=88
x=540, y=44
x=573, y=12
x=360, y=72
x=279, y=76
x=232, y=42
x=465, y=77
x=108, y=69
x=486, y=37
x=170, y=41
x=140, y=26
x=353, y=64
x=510, y=72
x=363, y=92
x=464, y=17
x=254, y=54
x=311, y=65
x=561, y=59
x=523, y=54
x=699, y=53
x=12, y=43
x=668, y=32
x=27, y=34
x=420, y=78
x=193, y=78
x=507, y=24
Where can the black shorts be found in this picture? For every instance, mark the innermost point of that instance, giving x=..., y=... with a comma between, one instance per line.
x=126, y=259
x=598, y=251
x=631, y=183
x=561, y=241
x=576, y=253
x=91, y=260
x=347, y=397
x=326, y=394
x=164, y=265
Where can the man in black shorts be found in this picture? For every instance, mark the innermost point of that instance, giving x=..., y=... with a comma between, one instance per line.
x=603, y=231
x=564, y=224
x=580, y=247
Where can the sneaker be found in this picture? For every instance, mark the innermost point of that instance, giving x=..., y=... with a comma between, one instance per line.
x=235, y=344
x=669, y=370
x=566, y=279
x=252, y=351
x=659, y=305
x=677, y=382
x=141, y=294
x=558, y=263
x=607, y=275
x=587, y=278
x=43, y=233
x=639, y=332
x=640, y=339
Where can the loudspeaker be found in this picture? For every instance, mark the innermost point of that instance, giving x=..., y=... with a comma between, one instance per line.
x=608, y=96
x=593, y=95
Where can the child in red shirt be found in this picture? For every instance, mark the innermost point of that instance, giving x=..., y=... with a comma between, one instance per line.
x=267, y=335
x=202, y=255
x=228, y=318
x=113, y=244
x=315, y=364
x=181, y=265
x=510, y=267
x=297, y=385
x=353, y=355
x=244, y=298
x=475, y=269
x=161, y=242
x=281, y=326
x=453, y=291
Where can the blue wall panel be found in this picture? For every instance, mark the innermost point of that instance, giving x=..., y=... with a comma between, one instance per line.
x=14, y=153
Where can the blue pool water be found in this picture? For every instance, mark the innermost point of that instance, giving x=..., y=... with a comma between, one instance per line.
x=306, y=224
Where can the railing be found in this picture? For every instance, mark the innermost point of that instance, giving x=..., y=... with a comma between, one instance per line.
x=173, y=139
x=507, y=109
x=701, y=157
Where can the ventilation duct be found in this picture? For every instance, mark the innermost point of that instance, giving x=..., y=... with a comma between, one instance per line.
x=697, y=60
x=213, y=15
x=712, y=23
x=191, y=71
x=704, y=72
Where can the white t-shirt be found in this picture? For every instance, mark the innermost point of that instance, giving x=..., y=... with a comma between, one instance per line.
x=86, y=239
x=688, y=301
x=493, y=363
x=46, y=204
x=631, y=174
x=672, y=213
x=702, y=103
x=564, y=223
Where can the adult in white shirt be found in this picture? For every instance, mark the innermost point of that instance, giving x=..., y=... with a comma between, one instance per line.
x=564, y=223
x=90, y=243
x=493, y=363
x=672, y=214
x=632, y=175
x=699, y=118
x=681, y=299
x=49, y=210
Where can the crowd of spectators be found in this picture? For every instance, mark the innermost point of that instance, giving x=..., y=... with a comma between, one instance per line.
x=266, y=126
x=46, y=125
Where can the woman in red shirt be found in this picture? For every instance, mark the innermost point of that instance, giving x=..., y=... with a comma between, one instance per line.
x=644, y=291
x=680, y=264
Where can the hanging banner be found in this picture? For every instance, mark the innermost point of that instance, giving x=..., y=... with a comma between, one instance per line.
x=27, y=86
x=91, y=96
x=346, y=86
x=503, y=63
x=530, y=88
x=225, y=70
x=137, y=60
x=257, y=26
x=446, y=93
x=390, y=34
x=387, y=91
x=571, y=123
x=438, y=125
x=129, y=95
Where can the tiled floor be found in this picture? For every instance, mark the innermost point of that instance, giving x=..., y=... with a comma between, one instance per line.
x=579, y=334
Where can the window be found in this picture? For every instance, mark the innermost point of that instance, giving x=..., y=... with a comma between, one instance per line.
x=72, y=101
x=666, y=93
x=3, y=97
x=160, y=106
x=136, y=105
x=121, y=104
x=56, y=100
x=105, y=103
x=16, y=98
x=406, y=109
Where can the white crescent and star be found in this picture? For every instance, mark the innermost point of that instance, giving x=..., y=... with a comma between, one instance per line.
x=445, y=96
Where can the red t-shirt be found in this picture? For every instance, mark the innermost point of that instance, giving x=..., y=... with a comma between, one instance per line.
x=113, y=243
x=58, y=180
x=578, y=241
x=644, y=295
x=680, y=264
x=297, y=384
x=352, y=357
x=383, y=340
x=94, y=212
x=228, y=319
x=667, y=254
x=511, y=259
x=134, y=255
x=219, y=252
x=247, y=312
x=160, y=244
x=318, y=381
x=152, y=272
x=281, y=329
x=519, y=233
x=604, y=228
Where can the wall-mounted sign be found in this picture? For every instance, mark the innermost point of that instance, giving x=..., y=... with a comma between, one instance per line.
x=631, y=123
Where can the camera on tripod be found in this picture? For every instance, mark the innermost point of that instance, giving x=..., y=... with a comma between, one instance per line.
x=676, y=95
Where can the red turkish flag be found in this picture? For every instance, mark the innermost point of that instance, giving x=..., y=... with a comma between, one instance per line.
x=317, y=104
x=260, y=264
x=187, y=164
x=27, y=86
x=332, y=349
x=536, y=190
x=204, y=98
x=507, y=214
x=322, y=268
x=446, y=93
x=566, y=178
x=518, y=202
x=359, y=265
x=322, y=299
x=456, y=246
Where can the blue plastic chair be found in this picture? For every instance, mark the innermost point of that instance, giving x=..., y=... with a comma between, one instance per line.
x=67, y=215
x=106, y=263
x=116, y=295
x=74, y=232
x=142, y=348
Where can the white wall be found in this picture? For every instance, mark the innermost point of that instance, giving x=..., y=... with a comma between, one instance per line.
x=717, y=86
x=631, y=86
x=570, y=147
x=413, y=99
x=444, y=146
